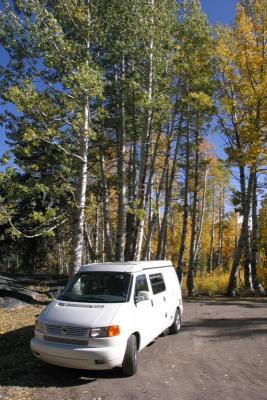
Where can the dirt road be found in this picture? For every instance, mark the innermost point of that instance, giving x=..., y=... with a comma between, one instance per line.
x=221, y=353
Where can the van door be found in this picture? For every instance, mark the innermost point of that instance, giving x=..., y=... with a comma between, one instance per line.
x=160, y=304
x=143, y=311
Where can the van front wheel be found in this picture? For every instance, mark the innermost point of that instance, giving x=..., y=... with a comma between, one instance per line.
x=176, y=325
x=129, y=365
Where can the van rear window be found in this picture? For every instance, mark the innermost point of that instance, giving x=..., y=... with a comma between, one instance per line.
x=157, y=283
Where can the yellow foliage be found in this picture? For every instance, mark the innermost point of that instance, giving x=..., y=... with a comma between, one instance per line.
x=212, y=283
x=242, y=61
x=262, y=274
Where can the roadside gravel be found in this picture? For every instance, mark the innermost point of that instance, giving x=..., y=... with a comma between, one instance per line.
x=221, y=353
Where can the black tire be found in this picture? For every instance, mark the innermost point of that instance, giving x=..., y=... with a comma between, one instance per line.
x=129, y=365
x=165, y=332
x=177, y=322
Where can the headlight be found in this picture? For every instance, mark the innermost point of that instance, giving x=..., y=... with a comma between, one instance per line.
x=39, y=327
x=107, y=331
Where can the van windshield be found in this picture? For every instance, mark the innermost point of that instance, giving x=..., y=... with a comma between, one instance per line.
x=98, y=287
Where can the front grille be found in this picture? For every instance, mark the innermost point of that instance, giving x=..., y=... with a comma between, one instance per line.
x=63, y=331
x=66, y=340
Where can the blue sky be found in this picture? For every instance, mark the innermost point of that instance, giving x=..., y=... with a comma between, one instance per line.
x=222, y=11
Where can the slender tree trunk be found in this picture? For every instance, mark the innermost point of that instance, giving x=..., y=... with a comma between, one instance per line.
x=132, y=195
x=152, y=219
x=242, y=186
x=242, y=240
x=152, y=164
x=191, y=266
x=91, y=251
x=163, y=229
x=202, y=212
x=103, y=245
x=247, y=263
x=144, y=144
x=120, y=241
x=212, y=230
x=254, y=241
x=247, y=253
x=106, y=216
x=221, y=217
x=64, y=259
x=155, y=215
x=130, y=217
x=150, y=216
x=60, y=259
x=180, y=266
x=236, y=229
x=79, y=212
x=96, y=234
x=162, y=242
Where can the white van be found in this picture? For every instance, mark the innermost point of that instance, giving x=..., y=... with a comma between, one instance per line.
x=107, y=313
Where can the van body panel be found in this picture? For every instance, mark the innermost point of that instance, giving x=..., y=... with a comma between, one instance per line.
x=144, y=316
x=79, y=314
x=79, y=357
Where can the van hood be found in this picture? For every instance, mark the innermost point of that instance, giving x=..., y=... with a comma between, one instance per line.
x=87, y=315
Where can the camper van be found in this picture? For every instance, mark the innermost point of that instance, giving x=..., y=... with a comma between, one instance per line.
x=107, y=313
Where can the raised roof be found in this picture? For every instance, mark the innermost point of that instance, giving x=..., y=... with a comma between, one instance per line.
x=126, y=266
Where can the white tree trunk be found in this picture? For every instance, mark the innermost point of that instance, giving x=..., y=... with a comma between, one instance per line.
x=78, y=231
x=121, y=148
x=106, y=217
x=144, y=146
x=203, y=206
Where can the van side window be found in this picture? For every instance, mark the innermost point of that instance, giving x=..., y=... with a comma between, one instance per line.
x=140, y=284
x=157, y=283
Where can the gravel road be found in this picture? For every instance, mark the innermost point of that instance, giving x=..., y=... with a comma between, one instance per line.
x=221, y=353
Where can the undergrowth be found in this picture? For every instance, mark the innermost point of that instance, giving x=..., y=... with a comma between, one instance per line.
x=216, y=282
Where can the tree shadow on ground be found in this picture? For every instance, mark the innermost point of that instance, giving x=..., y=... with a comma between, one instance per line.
x=231, y=328
x=22, y=297
x=18, y=367
x=254, y=302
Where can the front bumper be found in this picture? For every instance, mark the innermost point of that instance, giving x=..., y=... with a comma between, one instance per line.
x=71, y=356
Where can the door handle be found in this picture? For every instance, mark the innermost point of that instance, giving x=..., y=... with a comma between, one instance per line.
x=152, y=303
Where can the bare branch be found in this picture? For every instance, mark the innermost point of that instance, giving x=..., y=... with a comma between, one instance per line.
x=44, y=232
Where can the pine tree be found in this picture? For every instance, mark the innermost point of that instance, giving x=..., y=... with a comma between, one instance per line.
x=56, y=86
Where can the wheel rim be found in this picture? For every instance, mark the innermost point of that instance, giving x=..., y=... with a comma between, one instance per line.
x=178, y=321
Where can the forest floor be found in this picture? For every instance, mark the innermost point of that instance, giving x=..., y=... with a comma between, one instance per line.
x=220, y=353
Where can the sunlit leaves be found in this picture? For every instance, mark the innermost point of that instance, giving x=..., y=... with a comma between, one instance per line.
x=242, y=72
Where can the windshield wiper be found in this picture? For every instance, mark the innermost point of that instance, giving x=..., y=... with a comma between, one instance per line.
x=93, y=299
x=82, y=299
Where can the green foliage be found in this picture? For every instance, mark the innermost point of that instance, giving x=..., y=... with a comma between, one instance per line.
x=53, y=76
x=135, y=209
x=127, y=61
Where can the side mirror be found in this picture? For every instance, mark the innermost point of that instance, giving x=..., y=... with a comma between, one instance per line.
x=142, y=296
x=55, y=292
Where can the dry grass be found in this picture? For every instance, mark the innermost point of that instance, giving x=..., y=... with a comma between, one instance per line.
x=16, y=330
x=20, y=317
x=216, y=282
x=213, y=283
x=209, y=284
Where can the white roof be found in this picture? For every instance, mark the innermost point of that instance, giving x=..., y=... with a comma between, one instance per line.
x=127, y=266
